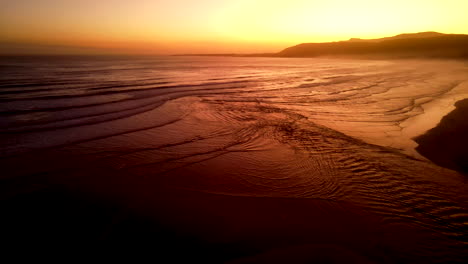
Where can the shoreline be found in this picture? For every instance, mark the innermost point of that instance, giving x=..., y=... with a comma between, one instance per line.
x=446, y=144
x=434, y=110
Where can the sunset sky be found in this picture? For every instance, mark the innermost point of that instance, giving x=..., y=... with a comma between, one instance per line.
x=213, y=26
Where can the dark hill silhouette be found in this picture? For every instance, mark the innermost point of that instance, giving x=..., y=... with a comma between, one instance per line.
x=428, y=34
x=425, y=44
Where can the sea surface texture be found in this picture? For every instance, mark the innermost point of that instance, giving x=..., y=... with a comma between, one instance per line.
x=232, y=159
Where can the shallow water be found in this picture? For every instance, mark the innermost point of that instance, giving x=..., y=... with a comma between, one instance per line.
x=204, y=136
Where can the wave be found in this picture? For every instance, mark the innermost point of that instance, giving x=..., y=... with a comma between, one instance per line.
x=319, y=136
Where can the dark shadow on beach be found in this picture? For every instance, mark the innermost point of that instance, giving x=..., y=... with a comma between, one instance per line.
x=447, y=144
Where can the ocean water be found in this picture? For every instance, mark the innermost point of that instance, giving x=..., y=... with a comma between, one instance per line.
x=254, y=156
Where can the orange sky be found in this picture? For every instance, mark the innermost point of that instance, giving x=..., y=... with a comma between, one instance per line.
x=214, y=26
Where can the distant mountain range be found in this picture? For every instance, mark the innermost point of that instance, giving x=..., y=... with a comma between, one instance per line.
x=414, y=45
x=417, y=45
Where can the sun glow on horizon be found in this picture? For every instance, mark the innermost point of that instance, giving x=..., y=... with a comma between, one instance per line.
x=177, y=26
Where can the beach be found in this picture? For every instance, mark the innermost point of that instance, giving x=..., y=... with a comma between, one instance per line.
x=239, y=160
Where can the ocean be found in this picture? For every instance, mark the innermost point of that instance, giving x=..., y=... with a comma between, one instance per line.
x=232, y=158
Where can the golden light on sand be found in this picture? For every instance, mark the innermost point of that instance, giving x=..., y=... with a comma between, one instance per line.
x=221, y=25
